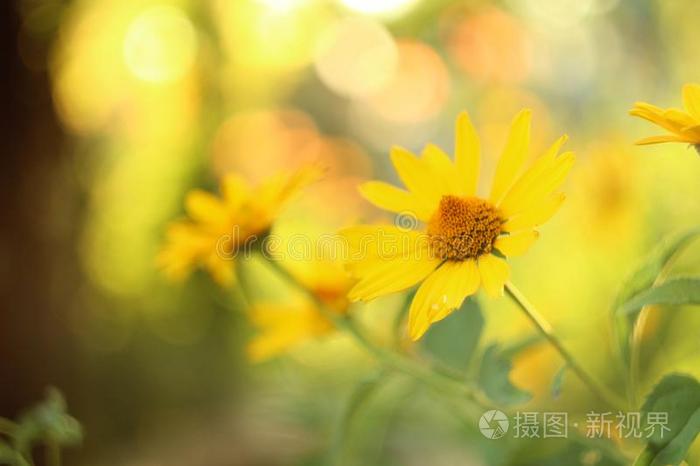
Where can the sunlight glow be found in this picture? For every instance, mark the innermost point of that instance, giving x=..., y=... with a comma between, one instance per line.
x=160, y=44
x=356, y=57
x=379, y=7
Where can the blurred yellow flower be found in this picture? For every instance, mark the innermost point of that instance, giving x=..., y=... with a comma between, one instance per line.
x=283, y=326
x=218, y=227
x=684, y=125
x=466, y=238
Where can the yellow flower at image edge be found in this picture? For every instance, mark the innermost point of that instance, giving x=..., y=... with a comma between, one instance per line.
x=684, y=125
x=466, y=238
x=217, y=227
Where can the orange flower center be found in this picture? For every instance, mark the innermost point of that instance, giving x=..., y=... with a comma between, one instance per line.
x=463, y=228
x=334, y=298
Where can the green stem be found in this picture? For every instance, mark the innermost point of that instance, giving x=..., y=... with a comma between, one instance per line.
x=439, y=381
x=546, y=330
x=53, y=454
x=400, y=317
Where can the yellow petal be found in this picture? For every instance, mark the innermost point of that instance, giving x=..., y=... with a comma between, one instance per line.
x=393, y=199
x=277, y=190
x=440, y=294
x=464, y=281
x=691, y=100
x=416, y=176
x=661, y=139
x=691, y=133
x=386, y=276
x=542, y=187
x=494, y=273
x=235, y=190
x=362, y=242
x=513, y=156
x=467, y=157
x=536, y=215
x=386, y=259
x=674, y=120
x=653, y=114
x=283, y=327
x=442, y=167
x=678, y=118
x=516, y=244
x=221, y=270
x=531, y=176
x=205, y=207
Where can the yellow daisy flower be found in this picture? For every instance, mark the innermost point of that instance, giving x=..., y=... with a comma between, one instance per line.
x=465, y=238
x=218, y=227
x=684, y=125
x=282, y=326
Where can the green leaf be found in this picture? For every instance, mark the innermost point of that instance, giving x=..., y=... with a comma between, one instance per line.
x=452, y=341
x=558, y=381
x=11, y=457
x=647, y=273
x=644, y=278
x=679, y=397
x=677, y=291
x=494, y=378
x=645, y=457
x=48, y=422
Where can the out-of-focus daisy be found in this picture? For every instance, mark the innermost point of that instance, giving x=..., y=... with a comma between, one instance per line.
x=218, y=227
x=684, y=125
x=283, y=326
x=466, y=238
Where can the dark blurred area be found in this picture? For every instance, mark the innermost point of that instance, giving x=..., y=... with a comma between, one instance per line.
x=40, y=213
x=44, y=287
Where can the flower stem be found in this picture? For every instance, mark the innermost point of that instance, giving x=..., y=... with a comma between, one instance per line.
x=53, y=454
x=438, y=380
x=546, y=330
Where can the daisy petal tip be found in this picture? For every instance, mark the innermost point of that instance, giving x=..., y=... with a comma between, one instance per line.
x=523, y=116
x=363, y=187
x=416, y=333
x=463, y=118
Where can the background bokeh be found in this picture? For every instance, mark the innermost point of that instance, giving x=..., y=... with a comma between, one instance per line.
x=113, y=109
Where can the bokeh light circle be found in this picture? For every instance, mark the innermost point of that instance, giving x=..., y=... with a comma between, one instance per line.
x=419, y=89
x=379, y=7
x=490, y=45
x=355, y=57
x=160, y=44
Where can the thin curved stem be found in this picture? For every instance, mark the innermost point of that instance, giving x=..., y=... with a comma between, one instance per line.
x=439, y=381
x=547, y=332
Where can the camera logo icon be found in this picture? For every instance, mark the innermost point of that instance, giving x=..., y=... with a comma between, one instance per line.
x=493, y=424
